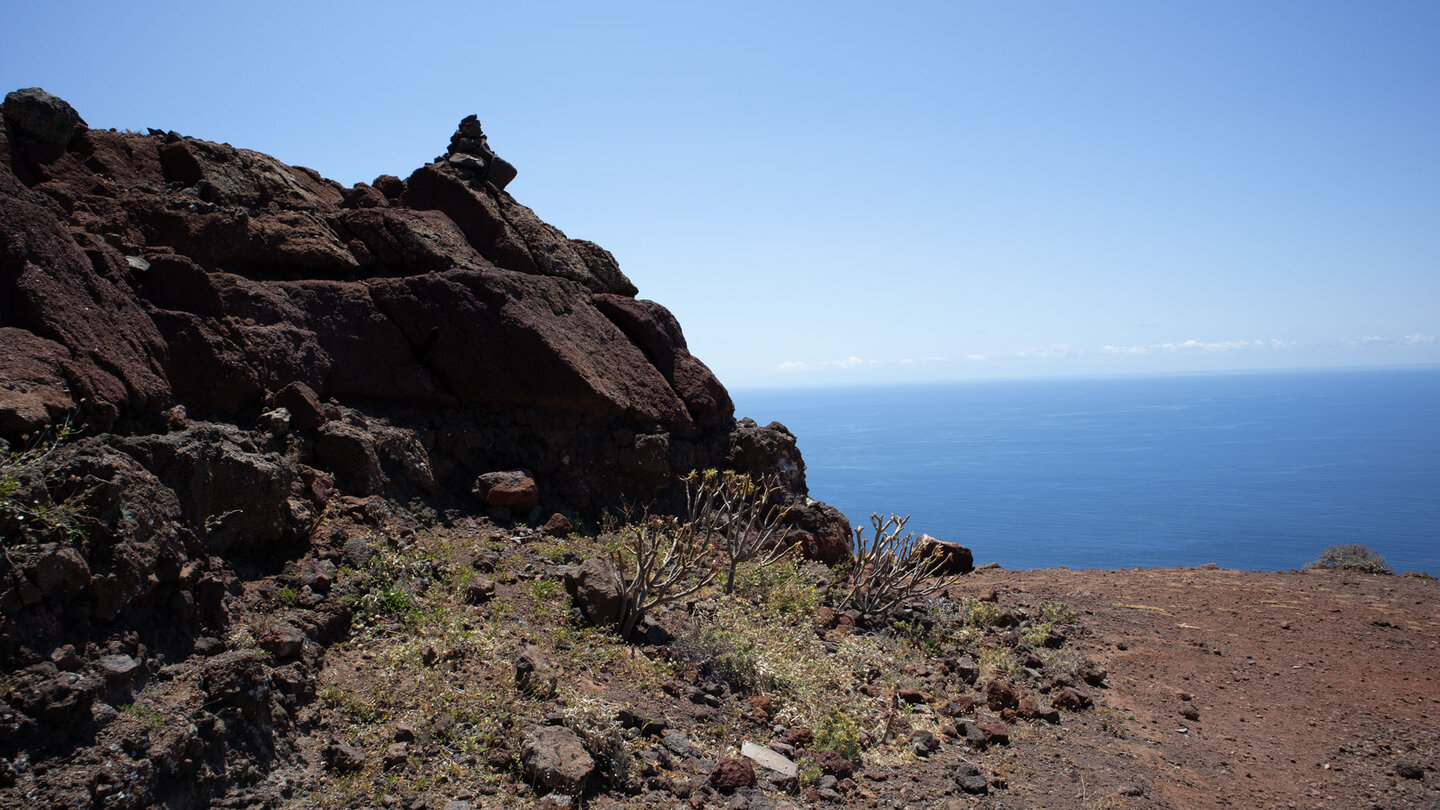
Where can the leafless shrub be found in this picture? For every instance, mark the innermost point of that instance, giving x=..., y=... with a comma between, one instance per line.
x=658, y=560
x=741, y=515
x=891, y=569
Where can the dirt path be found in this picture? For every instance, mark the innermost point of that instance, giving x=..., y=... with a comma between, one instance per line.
x=1244, y=689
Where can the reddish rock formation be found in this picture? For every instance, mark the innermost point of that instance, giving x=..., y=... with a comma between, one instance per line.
x=143, y=272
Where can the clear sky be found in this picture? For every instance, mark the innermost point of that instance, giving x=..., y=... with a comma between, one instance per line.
x=839, y=192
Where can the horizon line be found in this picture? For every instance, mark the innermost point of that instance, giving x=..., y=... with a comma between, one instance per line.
x=1092, y=375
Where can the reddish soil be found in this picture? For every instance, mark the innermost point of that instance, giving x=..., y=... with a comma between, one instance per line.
x=1243, y=689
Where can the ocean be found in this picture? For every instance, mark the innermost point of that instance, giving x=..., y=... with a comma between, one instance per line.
x=1250, y=471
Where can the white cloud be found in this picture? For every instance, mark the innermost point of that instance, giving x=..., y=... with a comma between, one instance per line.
x=1416, y=339
x=852, y=362
x=1193, y=345
x=1208, y=346
x=1055, y=352
x=979, y=358
x=799, y=365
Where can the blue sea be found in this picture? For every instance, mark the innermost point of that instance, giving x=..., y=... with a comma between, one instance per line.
x=1250, y=471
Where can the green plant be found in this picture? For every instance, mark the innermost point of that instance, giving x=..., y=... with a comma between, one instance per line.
x=544, y=589
x=25, y=506
x=838, y=732
x=1351, y=557
x=998, y=661
x=1058, y=613
x=149, y=717
x=1061, y=662
x=975, y=613
x=892, y=569
x=783, y=588
x=551, y=549
x=389, y=599
x=929, y=639
x=394, y=581
x=723, y=654
x=1035, y=634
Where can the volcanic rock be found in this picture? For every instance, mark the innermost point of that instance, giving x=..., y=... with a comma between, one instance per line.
x=302, y=403
x=266, y=369
x=228, y=281
x=731, y=774
x=953, y=558
x=344, y=757
x=282, y=641
x=43, y=125
x=533, y=673
x=1001, y=694
x=554, y=758
x=833, y=764
x=597, y=591
x=514, y=490
x=558, y=526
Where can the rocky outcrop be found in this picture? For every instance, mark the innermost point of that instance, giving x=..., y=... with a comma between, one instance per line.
x=235, y=387
x=141, y=272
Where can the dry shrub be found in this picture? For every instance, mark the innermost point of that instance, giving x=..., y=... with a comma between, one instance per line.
x=723, y=654
x=741, y=515
x=658, y=560
x=892, y=569
x=1351, y=557
x=593, y=721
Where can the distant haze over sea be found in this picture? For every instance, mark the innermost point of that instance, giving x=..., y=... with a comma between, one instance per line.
x=1256, y=471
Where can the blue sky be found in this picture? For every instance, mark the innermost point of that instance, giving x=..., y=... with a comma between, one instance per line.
x=829, y=193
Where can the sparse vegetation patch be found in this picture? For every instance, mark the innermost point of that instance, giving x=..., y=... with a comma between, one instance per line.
x=1351, y=557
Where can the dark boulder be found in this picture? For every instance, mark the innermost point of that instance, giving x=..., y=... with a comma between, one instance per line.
x=553, y=758
x=655, y=331
x=237, y=679
x=33, y=390
x=558, y=526
x=597, y=591
x=822, y=532
x=302, y=403
x=43, y=126
x=228, y=282
x=952, y=558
